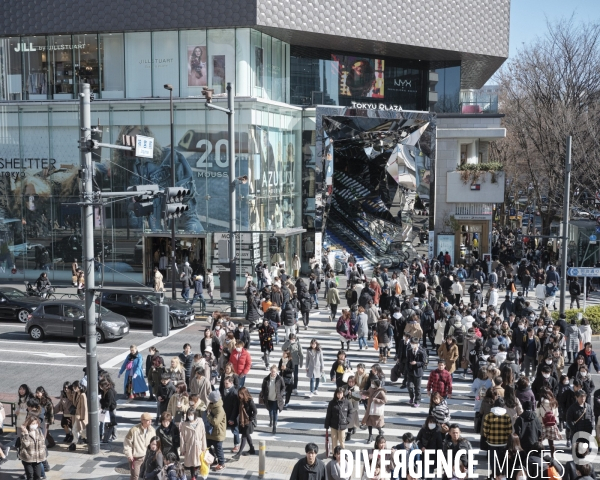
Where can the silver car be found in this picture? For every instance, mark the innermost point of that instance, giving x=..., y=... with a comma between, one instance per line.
x=57, y=318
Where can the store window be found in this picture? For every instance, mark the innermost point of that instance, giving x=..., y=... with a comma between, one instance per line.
x=448, y=87
x=193, y=63
x=277, y=69
x=11, y=75
x=257, y=56
x=138, y=64
x=221, y=65
x=61, y=67
x=35, y=67
x=87, y=67
x=165, y=63
x=243, y=84
x=112, y=65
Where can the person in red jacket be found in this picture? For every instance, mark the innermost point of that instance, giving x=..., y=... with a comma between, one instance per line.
x=242, y=361
x=440, y=381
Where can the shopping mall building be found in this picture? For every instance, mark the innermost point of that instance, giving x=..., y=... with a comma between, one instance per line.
x=339, y=107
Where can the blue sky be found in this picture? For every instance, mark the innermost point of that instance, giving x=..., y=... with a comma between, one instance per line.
x=528, y=17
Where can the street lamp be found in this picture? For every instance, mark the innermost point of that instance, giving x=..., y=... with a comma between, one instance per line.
x=173, y=266
x=208, y=93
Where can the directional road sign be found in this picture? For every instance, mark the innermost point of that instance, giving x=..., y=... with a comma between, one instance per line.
x=597, y=229
x=583, y=272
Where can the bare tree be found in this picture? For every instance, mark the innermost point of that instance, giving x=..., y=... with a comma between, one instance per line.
x=549, y=91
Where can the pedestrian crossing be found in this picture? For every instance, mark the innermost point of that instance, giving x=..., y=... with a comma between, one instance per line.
x=303, y=420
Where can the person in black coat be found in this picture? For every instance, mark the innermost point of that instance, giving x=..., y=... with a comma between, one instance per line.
x=528, y=427
x=246, y=420
x=305, y=305
x=168, y=432
x=286, y=370
x=309, y=467
x=339, y=412
x=231, y=407
x=416, y=360
x=242, y=335
x=430, y=436
x=580, y=416
x=338, y=368
x=187, y=360
x=210, y=341
x=545, y=379
x=108, y=403
x=562, y=323
x=253, y=309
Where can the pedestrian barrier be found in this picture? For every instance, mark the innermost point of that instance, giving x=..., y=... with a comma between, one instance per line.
x=262, y=458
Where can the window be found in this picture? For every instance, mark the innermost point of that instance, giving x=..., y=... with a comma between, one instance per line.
x=11, y=76
x=53, y=310
x=87, y=67
x=35, y=71
x=61, y=69
x=72, y=311
x=165, y=63
x=193, y=62
x=221, y=64
x=112, y=65
x=138, y=64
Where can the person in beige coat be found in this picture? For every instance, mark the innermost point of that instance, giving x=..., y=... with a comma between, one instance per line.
x=200, y=386
x=376, y=398
x=192, y=441
x=136, y=443
x=78, y=398
x=159, y=286
x=448, y=352
x=178, y=403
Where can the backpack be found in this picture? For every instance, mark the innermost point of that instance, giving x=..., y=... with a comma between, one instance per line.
x=397, y=288
x=349, y=294
x=342, y=327
x=460, y=275
x=481, y=393
x=549, y=420
x=459, y=334
x=379, y=281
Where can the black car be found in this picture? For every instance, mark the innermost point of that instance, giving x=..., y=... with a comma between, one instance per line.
x=17, y=305
x=56, y=317
x=137, y=307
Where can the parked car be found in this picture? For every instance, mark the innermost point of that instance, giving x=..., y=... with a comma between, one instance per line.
x=56, y=317
x=137, y=307
x=16, y=304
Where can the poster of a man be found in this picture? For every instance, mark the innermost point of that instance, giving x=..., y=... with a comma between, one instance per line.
x=197, y=76
x=360, y=77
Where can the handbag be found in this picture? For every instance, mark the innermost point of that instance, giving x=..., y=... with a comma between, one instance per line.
x=377, y=409
x=72, y=410
x=347, y=374
x=208, y=457
x=129, y=365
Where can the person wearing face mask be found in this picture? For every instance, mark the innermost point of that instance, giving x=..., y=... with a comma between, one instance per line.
x=241, y=334
x=192, y=441
x=32, y=452
x=549, y=361
x=430, y=437
x=589, y=357
x=547, y=412
x=531, y=349
x=265, y=335
x=416, y=362
x=241, y=361
x=544, y=380
x=168, y=433
x=587, y=384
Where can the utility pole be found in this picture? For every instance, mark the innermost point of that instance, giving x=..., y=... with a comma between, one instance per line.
x=565, y=235
x=173, y=184
x=87, y=226
x=233, y=183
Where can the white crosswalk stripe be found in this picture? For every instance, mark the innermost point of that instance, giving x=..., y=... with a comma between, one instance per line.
x=303, y=420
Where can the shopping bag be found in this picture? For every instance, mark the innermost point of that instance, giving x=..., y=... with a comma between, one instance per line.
x=377, y=409
x=375, y=342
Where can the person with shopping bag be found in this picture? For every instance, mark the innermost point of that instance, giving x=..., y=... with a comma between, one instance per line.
x=374, y=414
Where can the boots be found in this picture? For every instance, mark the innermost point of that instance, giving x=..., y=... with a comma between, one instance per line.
x=348, y=436
x=348, y=345
x=274, y=428
x=370, y=439
x=270, y=421
x=250, y=452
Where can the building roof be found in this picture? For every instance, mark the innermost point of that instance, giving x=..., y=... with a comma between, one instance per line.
x=476, y=32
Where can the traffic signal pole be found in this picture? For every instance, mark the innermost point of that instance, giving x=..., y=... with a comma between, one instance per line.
x=232, y=189
x=173, y=184
x=87, y=226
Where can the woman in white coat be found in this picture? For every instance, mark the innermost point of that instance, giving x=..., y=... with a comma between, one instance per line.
x=440, y=326
x=314, y=365
x=586, y=331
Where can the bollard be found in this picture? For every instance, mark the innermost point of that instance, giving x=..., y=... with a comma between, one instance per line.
x=262, y=457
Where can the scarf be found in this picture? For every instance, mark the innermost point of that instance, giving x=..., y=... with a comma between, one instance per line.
x=132, y=356
x=244, y=418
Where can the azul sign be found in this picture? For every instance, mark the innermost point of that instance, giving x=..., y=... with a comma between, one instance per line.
x=376, y=106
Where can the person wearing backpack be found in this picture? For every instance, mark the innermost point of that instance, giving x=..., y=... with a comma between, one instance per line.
x=173, y=469
x=528, y=427
x=427, y=325
x=547, y=412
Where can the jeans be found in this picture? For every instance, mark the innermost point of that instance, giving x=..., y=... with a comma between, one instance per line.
x=414, y=387
x=242, y=380
x=525, y=291
x=314, y=382
x=362, y=342
x=315, y=298
x=574, y=298
x=305, y=319
x=273, y=410
x=185, y=293
x=218, y=450
x=236, y=434
x=201, y=300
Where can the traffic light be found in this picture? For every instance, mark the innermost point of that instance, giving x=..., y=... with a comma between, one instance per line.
x=173, y=206
x=128, y=141
x=274, y=245
x=144, y=203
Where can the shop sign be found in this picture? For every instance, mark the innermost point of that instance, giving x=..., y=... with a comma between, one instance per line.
x=246, y=238
x=377, y=106
x=23, y=47
x=14, y=167
x=473, y=217
x=144, y=146
x=431, y=246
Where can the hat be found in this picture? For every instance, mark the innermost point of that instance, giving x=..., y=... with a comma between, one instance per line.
x=146, y=416
x=580, y=393
x=414, y=340
x=214, y=397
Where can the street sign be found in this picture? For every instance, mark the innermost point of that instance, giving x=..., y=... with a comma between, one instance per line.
x=583, y=272
x=593, y=238
x=144, y=146
x=597, y=229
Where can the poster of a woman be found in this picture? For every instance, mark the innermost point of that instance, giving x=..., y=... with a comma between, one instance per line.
x=197, y=76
